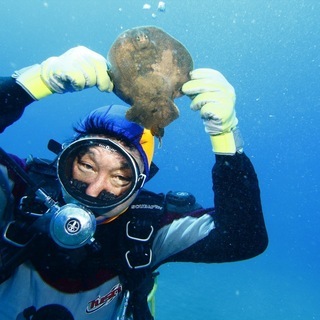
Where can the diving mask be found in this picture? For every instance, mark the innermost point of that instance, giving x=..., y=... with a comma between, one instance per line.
x=75, y=189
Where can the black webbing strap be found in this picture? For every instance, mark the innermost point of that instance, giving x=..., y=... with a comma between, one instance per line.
x=140, y=227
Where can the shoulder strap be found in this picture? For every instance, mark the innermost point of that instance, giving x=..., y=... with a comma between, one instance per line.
x=140, y=224
x=44, y=173
x=19, y=239
x=181, y=202
x=6, y=199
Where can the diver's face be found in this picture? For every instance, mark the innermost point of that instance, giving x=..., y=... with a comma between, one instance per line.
x=103, y=171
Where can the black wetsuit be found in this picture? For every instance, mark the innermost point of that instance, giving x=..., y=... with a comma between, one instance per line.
x=231, y=231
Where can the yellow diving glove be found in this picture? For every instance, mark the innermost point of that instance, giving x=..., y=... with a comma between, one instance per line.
x=215, y=97
x=77, y=69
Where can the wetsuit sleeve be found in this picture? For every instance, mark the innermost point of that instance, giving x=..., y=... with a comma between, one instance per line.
x=239, y=231
x=13, y=100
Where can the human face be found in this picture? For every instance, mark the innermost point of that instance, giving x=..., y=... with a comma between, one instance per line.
x=103, y=170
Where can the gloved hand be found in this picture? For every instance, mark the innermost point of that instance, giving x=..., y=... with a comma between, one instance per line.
x=214, y=96
x=75, y=70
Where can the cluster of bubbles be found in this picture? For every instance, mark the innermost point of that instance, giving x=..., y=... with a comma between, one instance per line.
x=161, y=7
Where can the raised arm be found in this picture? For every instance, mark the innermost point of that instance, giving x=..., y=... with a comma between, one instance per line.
x=77, y=69
x=235, y=230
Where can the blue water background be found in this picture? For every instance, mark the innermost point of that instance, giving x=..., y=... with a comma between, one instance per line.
x=269, y=51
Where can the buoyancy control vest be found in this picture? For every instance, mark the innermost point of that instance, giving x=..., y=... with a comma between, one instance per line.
x=124, y=246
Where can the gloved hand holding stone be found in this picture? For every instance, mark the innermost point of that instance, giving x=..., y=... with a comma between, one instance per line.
x=214, y=96
x=77, y=69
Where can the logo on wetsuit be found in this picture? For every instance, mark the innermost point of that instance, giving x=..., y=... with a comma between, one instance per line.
x=100, y=302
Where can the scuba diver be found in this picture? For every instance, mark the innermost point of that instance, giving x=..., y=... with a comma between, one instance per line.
x=82, y=238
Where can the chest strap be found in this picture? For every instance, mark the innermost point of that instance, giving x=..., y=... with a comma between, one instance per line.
x=141, y=224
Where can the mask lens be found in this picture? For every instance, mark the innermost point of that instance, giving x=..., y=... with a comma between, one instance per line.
x=82, y=164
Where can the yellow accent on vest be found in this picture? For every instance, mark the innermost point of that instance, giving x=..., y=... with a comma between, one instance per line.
x=152, y=298
x=147, y=144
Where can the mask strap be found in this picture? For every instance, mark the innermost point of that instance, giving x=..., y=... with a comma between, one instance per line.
x=140, y=181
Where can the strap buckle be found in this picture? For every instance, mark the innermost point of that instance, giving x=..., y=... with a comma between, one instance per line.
x=134, y=232
x=140, y=256
x=145, y=256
